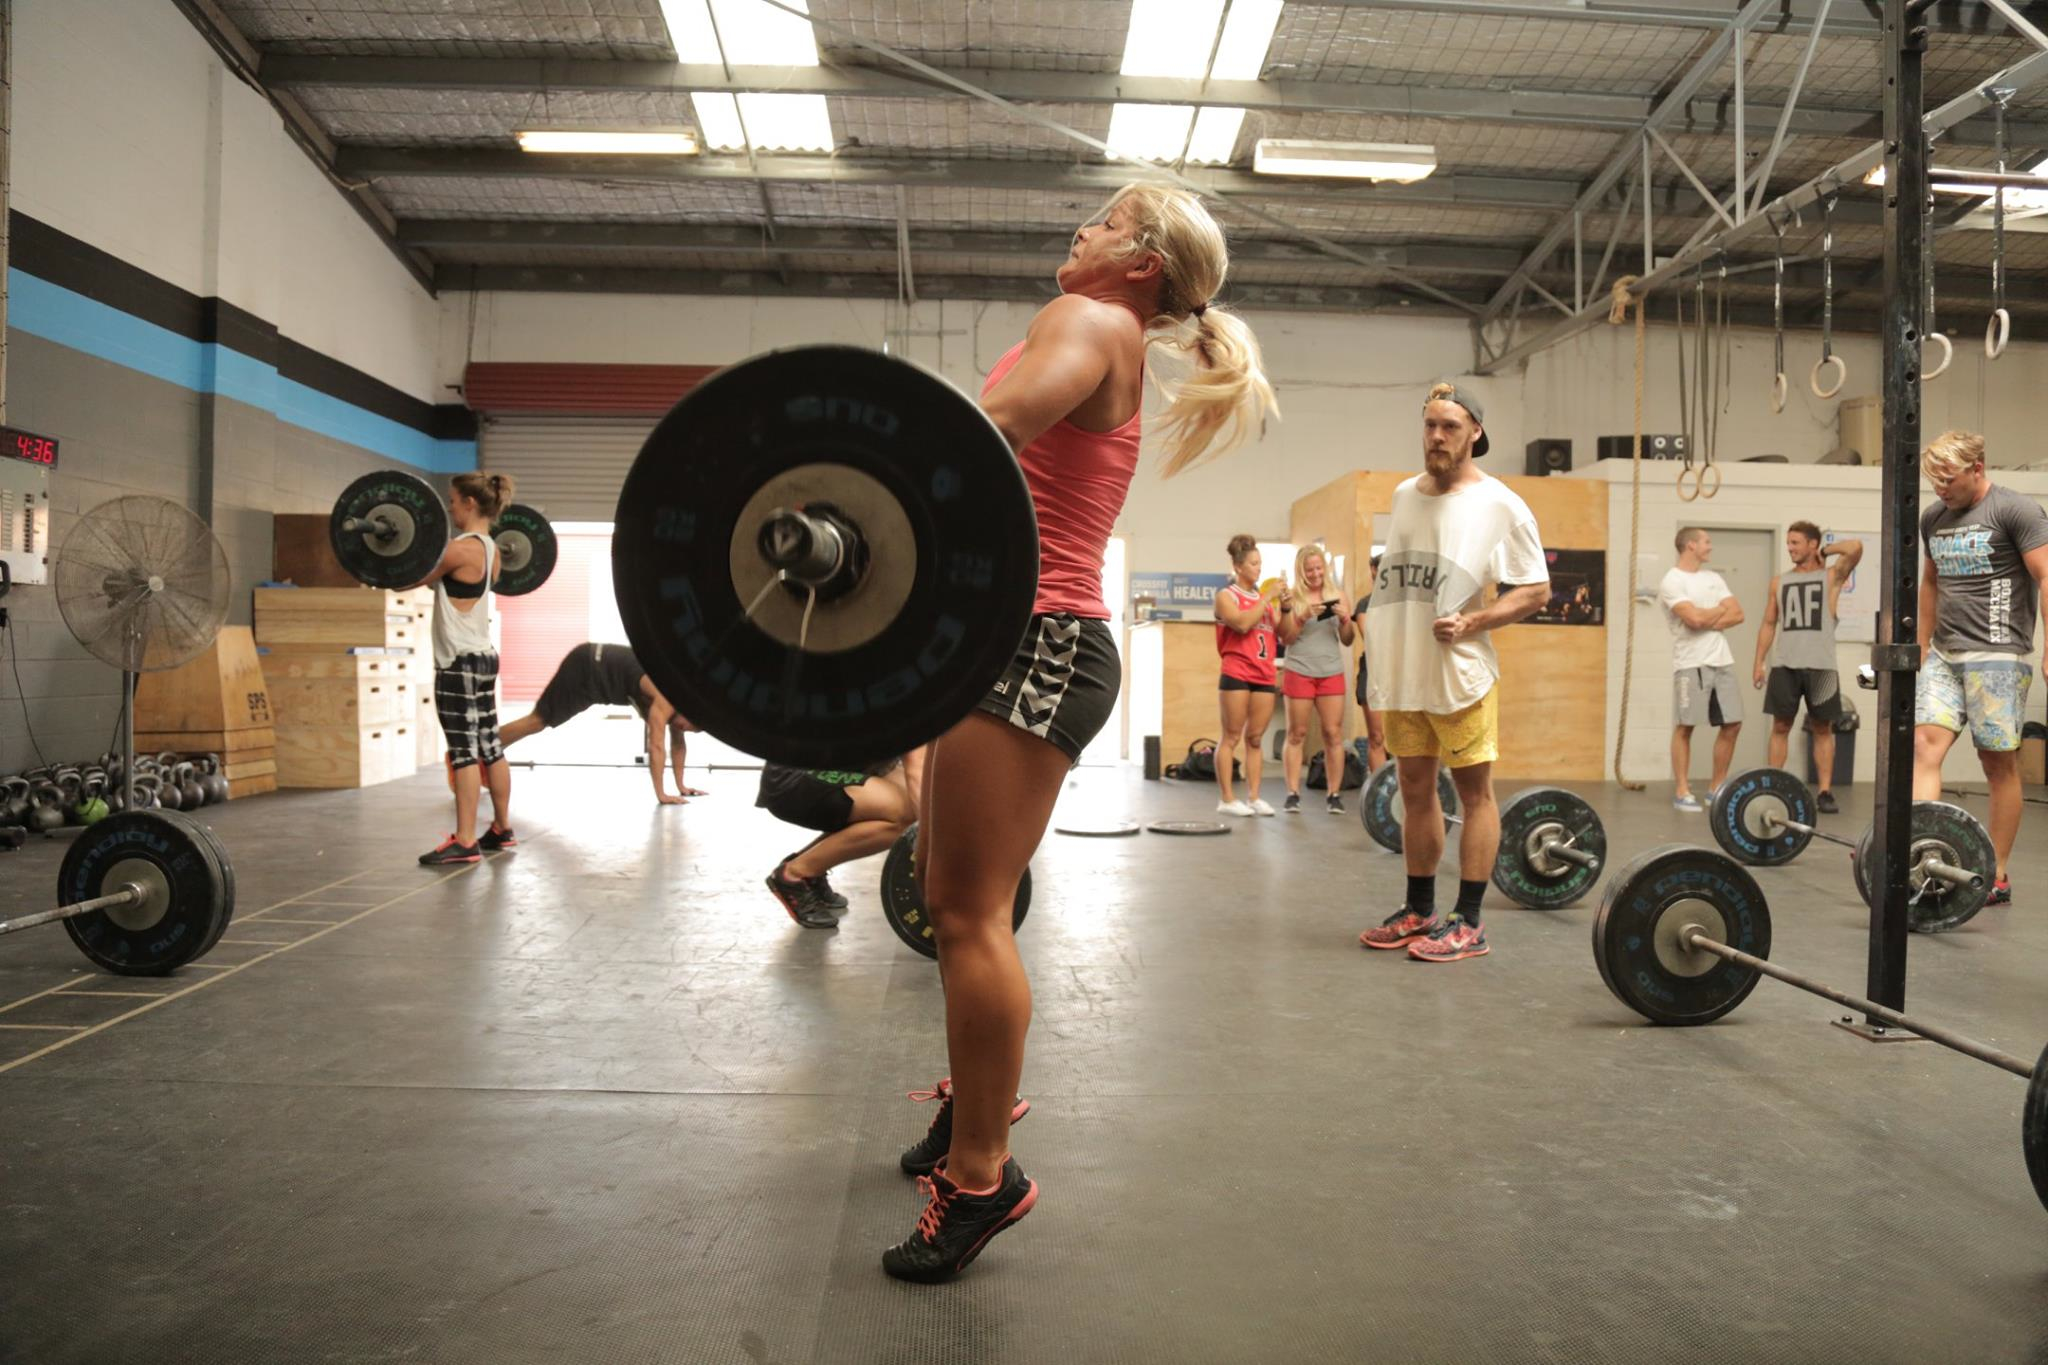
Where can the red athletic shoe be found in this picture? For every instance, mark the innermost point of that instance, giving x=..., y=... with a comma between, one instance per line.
x=1400, y=929
x=1456, y=939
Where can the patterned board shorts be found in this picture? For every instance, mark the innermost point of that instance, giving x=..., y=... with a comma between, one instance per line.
x=466, y=699
x=1063, y=683
x=1989, y=698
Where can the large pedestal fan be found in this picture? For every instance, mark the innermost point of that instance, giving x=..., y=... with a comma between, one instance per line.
x=143, y=585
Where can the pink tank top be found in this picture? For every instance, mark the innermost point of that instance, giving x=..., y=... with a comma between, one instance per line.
x=1079, y=480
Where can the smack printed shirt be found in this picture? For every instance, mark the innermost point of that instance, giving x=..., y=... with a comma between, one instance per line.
x=1985, y=600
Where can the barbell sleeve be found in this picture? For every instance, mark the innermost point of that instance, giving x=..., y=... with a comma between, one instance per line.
x=1696, y=938
x=1571, y=853
x=1950, y=873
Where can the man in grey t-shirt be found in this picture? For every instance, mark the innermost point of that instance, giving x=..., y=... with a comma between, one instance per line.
x=1987, y=559
x=1800, y=615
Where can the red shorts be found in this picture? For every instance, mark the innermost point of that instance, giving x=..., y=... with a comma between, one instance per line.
x=1301, y=687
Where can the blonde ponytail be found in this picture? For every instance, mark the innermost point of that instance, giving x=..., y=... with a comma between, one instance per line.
x=1224, y=394
x=493, y=492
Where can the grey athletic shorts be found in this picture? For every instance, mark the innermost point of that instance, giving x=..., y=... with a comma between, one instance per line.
x=1705, y=696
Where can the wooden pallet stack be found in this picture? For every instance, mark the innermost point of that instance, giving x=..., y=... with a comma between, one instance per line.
x=217, y=703
x=346, y=669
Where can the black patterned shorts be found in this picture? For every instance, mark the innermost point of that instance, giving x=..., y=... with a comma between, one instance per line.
x=1063, y=683
x=466, y=699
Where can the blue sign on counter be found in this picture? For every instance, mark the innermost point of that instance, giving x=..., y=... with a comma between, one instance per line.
x=1179, y=596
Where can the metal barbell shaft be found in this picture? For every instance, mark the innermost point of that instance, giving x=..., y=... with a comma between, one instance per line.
x=1694, y=937
x=1810, y=831
x=127, y=895
x=376, y=526
x=1571, y=853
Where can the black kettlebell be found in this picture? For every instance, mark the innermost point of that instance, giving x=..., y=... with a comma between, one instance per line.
x=148, y=795
x=186, y=780
x=46, y=809
x=166, y=791
x=71, y=789
x=14, y=804
x=214, y=779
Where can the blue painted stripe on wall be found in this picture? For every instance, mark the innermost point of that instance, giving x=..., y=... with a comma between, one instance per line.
x=71, y=319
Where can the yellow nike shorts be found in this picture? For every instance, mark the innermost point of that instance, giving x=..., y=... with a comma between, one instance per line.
x=1460, y=739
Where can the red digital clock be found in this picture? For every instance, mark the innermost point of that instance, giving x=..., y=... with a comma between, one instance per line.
x=26, y=445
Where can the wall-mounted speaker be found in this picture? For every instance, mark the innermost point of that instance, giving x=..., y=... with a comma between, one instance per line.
x=1654, y=447
x=1548, y=456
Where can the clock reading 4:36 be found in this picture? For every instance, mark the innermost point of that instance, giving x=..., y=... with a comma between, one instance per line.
x=26, y=445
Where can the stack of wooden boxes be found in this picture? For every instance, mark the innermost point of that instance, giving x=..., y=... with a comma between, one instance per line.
x=346, y=667
x=217, y=703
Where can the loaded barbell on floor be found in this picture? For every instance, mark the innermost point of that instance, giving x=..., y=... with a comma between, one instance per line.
x=1552, y=844
x=389, y=529
x=142, y=893
x=1683, y=935
x=903, y=903
x=1764, y=818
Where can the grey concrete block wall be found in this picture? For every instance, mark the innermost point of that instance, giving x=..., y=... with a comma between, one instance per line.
x=123, y=432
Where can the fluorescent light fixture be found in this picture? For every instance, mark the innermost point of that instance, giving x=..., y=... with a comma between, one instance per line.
x=595, y=142
x=1149, y=132
x=1247, y=33
x=1215, y=139
x=1351, y=160
x=1171, y=38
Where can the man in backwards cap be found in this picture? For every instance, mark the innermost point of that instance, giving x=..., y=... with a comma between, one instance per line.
x=1455, y=531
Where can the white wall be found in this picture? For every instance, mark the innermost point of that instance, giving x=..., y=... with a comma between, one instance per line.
x=1764, y=497
x=131, y=136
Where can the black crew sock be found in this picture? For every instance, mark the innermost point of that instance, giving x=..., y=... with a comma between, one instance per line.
x=1422, y=895
x=1469, y=893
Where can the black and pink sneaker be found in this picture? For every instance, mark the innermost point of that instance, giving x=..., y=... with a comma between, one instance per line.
x=931, y=1149
x=2001, y=892
x=1458, y=938
x=493, y=839
x=957, y=1224
x=448, y=852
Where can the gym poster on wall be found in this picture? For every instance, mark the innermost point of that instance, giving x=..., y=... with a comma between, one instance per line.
x=1578, y=589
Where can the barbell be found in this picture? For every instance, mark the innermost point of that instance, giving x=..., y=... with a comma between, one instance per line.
x=1764, y=818
x=1552, y=844
x=903, y=904
x=142, y=893
x=824, y=556
x=1683, y=935
x=389, y=529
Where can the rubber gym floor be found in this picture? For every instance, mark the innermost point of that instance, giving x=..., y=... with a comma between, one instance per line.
x=599, y=1100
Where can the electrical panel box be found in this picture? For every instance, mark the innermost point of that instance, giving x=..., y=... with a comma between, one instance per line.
x=25, y=520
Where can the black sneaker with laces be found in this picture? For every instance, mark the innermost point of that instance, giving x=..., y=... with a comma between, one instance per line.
x=802, y=901
x=2001, y=892
x=955, y=1226
x=493, y=839
x=1827, y=805
x=825, y=892
x=1334, y=804
x=931, y=1149
x=1292, y=805
x=448, y=852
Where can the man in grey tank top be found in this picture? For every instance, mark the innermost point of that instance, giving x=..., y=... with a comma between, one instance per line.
x=1801, y=614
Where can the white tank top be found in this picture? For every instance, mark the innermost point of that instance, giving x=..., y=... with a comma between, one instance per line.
x=458, y=632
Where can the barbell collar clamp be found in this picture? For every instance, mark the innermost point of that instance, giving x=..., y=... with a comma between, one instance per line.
x=1953, y=875
x=379, y=527
x=1571, y=853
x=804, y=548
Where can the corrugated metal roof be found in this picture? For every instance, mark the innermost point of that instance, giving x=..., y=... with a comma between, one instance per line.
x=455, y=28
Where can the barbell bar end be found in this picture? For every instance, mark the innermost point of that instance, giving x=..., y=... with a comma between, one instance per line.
x=1950, y=873
x=1571, y=853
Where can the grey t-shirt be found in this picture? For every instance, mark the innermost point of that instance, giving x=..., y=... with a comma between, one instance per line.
x=1806, y=628
x=1985, y=600
x=1318, y=652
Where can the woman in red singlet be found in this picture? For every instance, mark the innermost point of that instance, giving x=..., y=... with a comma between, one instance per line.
x=1141, y=276
x=1247, y=636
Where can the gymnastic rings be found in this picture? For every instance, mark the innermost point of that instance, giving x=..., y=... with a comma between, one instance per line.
x=1948, y=353
x=1779, y=388
x=1698, y=481
x=1841, y=376
x=1997, y=332
x=1706, y=490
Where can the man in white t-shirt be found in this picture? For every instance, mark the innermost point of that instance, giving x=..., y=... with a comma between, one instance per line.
x=1698, y=607
x=1454, y=532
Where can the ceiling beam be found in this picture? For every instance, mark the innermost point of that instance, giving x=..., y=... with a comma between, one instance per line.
x=879, y=244
x=1860, y=20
